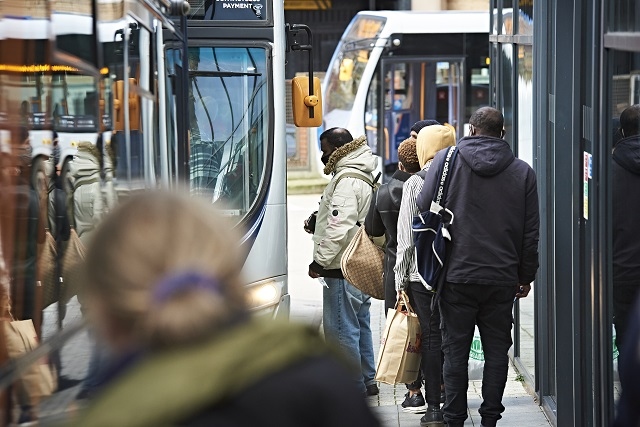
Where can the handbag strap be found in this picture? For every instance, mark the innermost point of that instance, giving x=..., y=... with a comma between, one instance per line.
x=443, y=173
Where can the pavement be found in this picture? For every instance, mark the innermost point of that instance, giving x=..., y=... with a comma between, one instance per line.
x=522, y=410
x=306, y=306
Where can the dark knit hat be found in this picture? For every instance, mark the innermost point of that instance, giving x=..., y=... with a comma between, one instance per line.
x=423, y=123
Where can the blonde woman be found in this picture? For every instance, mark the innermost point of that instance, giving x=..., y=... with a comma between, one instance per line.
x=164, y=291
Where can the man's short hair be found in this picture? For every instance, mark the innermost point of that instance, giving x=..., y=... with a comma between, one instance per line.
x=630, y=120
x=488, y=121
x=408, y=156
x=337, y=137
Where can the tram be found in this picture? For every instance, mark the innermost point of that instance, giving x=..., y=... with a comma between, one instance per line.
x=393, y=68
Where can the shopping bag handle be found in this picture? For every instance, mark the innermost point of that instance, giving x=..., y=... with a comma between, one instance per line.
x=405, y=301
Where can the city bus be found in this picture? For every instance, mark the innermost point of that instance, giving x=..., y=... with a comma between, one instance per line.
x=236, y=122
x=393, y=68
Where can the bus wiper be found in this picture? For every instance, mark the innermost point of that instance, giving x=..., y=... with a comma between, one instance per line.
x=359, y=44
x=197, y=73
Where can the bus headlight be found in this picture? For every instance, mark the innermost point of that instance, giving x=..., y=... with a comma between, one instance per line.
x=265, y=294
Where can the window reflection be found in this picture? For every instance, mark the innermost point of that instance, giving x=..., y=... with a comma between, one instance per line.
x=507, y=17
x=525, y=20
x=625, y=144
x=344, y=79
x=626, y=15
x=506, y=94
x=228, y=96
x=525, y=150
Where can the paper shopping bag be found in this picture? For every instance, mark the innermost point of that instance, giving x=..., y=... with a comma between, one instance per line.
x=38, y=381
x=399, y=356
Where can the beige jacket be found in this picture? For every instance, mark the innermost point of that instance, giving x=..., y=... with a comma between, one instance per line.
x=343, y=203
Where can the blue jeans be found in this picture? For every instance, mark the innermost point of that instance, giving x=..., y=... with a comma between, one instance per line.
x=346, y=322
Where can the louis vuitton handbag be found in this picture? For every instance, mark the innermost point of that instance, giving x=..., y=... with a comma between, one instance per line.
x=362, y=264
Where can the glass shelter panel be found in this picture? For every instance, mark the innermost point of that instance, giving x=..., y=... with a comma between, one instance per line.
x=625, y=15
x=506, y=90
x=525, y=149
x=508, y=23
x=625, y=172
x=525, y=19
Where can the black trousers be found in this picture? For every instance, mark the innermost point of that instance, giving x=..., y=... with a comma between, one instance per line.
x=624, y=297
x=430, y=340
x=462, y=306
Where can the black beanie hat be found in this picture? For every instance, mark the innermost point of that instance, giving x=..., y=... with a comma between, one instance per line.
x=423, y=123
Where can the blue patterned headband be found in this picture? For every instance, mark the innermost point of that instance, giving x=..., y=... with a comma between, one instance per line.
x=174, y=284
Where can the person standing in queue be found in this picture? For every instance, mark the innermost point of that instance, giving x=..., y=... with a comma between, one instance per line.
x=382, y=218
x=494, y=258
x=431, y=139
x=344, y=205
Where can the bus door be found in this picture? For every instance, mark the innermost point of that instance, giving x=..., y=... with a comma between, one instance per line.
x=411, y=90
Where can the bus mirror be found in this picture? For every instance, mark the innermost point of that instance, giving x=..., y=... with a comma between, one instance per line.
x=346, y=70
x=307, y=109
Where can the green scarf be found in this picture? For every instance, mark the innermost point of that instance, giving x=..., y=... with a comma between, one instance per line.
x=174, y=385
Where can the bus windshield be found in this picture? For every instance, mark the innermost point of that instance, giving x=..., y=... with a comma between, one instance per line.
x=345, y=75
x=228, y=124
x=74, y=102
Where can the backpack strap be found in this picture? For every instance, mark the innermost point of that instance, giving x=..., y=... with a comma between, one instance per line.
x=361, y=176
x=443, y=172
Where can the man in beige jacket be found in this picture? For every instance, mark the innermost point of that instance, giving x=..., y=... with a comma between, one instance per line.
x=343, y=208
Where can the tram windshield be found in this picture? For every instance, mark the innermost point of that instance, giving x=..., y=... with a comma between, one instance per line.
x=228, y=124
x=345, y=75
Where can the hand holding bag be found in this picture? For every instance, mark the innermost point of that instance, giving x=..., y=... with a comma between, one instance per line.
x=362, y=264
x=399, y=357
x=38, y=380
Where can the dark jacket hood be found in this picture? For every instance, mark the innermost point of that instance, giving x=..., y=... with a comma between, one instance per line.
x=627, y=154
x=486, y=155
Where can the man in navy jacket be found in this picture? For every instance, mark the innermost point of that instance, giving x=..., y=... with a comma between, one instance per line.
x=493, y=259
